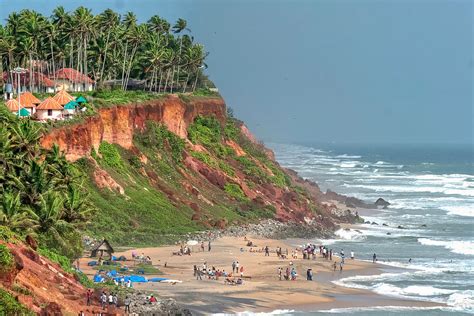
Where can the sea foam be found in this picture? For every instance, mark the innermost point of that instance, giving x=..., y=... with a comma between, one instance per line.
x=457, y=246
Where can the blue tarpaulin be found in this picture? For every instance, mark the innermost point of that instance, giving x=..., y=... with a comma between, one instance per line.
x=98, y=278
x=157, y=279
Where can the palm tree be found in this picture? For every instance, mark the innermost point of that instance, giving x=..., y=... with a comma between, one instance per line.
x=177, y=29
x=15, y=215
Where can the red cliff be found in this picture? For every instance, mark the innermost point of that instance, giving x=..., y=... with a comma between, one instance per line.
x=116, y=125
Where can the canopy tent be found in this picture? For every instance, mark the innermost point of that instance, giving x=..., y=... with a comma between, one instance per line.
x=24, y=113
x=70, y=107
x=80, y=99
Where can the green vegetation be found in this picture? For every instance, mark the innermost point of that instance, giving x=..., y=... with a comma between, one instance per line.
x=40, y=192
x=110, y=155
x=10, y=306
x=6, y=259
x=108, y=46
x=205, y=158
x=158, y=136
x=235, y=191
x=63, y=261
x=205, y=131
x=251, y=212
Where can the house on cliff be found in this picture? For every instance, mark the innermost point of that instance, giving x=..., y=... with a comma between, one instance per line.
x=49, y=109
x=69, y=79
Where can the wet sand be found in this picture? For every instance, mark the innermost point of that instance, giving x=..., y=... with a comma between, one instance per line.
x=263, y=292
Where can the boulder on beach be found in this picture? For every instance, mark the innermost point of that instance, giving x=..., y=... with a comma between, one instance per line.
x=374, y=223
x=381, y=203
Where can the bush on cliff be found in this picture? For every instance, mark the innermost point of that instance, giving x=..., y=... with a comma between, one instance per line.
x=6, y=259
x=205, y=131
x=110, y=155
x=10, y=306
x=235, y=191
x=158, y=136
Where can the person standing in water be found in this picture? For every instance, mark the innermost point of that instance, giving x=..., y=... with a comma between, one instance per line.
x=374, y=258
x=352, y=255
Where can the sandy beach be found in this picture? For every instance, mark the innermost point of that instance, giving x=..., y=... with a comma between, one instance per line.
x=262, y=290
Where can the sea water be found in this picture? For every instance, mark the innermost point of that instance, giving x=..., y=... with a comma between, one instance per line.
x=431, y=195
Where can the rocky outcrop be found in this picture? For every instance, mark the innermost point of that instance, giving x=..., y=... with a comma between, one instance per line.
x=381, y=203
x=117, y=125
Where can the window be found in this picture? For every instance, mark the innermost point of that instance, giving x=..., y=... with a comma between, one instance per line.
x=50, y=112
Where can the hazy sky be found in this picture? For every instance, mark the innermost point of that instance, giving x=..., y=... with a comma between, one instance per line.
x=329, y=71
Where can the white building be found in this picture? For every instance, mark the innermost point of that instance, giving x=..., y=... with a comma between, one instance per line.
x=49, y=109
x=69, y=79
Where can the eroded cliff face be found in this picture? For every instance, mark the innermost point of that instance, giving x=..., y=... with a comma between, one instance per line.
x=117, y=125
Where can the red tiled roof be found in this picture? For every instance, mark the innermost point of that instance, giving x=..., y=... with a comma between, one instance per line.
x=28, y=100
x=49, y=104
x=12, y=105
x=62, y=97
x=73, y=76
x=37, y=79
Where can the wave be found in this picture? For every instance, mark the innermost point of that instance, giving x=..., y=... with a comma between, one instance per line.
x=275, y=312
x=383, y=309
x=456, y=246
x=460, y=210
x=346, y=156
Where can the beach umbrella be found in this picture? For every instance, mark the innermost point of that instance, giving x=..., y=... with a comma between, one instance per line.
x=70, y=107
x=24, y=112
x=80, y=99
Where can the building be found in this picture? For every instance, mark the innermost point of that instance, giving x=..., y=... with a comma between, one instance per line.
x=36, y=82
x=72, y=80
x=49, y=109
x=29, y=102
x=103, y=247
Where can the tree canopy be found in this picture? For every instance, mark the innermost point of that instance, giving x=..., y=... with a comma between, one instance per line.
x=106, y=47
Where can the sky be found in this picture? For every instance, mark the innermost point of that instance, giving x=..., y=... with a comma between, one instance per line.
x=333, y=71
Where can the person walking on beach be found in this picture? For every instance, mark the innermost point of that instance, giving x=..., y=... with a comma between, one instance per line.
x=335, y=265
x=309, y=275
x=242, y=271
x=237, y=267
x=209, y=246
x=103, y=300
x=267, y=251
x=233, y=266
x=280, y=273
x=330, y=254
x=341, y=264
x=202, y=246
x=352, y=255
x=374, y=258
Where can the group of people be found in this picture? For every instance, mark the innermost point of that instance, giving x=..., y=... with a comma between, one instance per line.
x=141, y=258
x=214, y=274
x=289, y=274
x=208, y=246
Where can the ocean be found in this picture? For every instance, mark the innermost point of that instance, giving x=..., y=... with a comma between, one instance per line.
x=431, y=195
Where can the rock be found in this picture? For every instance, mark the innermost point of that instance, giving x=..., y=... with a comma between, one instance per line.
x=30, y=241
x=381, y=203
x=424, y=225
x=373, y=223
x=366, y=222
x=400, y=227
x=384, y=224
x=389, y=233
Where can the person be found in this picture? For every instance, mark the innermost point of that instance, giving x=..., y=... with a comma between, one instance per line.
x=209, y=246
x=103, y=300
x=409, y=260
x=287, y=274
x=233, y=266
x=115, y=299
x=341, y=264
x=127, y=302
x=280, y=273
x=202, y=246
x=330, y=254
x=335, y=265
x=237, y=267
x=89, y=297
x=129, y=283
x=198, y=274
x=293, y=274
x=242, y=271
x=152, y=299
x=195, y=270
x=374, y=258
x=309, y=275
x=81, y=313
x=352, y=255
x=111, y=299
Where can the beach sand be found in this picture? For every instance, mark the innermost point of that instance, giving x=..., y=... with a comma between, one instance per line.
x=263, y=292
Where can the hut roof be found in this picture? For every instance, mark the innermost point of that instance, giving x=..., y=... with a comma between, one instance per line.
x=49, y=104
x=104, y=245
x=73, y=76
x=27, y=99
x=12, y=105
x=63, y=98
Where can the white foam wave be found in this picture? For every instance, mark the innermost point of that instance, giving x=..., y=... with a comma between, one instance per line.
x=349, y=234
x=463, y=300
x=346, y=156
x=457, y=246
x=383, y=309
x=461, y=210
x=246, y=313
x=348, y=165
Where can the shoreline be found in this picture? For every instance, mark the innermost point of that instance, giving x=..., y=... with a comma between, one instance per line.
x=263, y=292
